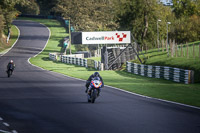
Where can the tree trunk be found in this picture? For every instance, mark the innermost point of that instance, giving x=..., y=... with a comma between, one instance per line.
x=146, y=25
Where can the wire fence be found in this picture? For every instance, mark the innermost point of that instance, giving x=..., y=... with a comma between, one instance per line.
x=188, y=50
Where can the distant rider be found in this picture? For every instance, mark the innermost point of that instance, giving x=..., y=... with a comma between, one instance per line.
x=96, y=74
x=11, y=66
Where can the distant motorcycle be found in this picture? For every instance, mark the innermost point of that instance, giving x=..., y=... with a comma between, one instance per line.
x=10, y=68
x=9, y=72
x=94, y=87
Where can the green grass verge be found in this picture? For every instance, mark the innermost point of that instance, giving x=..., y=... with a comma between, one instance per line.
x=95, y=58
x=158, y=88
x=13, y=37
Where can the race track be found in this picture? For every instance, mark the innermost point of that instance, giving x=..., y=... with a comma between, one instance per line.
x=38, y=101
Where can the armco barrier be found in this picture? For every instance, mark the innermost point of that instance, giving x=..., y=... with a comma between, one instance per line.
x=81, y=62
x=53, y=56
x=169, y=73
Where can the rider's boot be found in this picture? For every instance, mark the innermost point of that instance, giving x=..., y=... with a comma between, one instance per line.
x=86, y=90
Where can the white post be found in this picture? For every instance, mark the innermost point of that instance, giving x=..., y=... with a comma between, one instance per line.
x=158, y=34
x=69, y=38
x=167, y=38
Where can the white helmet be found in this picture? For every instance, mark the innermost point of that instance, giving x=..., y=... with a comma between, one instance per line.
x=11, y=61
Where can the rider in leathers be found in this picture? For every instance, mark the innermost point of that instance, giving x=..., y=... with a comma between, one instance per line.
x=11, y=66
x=96, y=74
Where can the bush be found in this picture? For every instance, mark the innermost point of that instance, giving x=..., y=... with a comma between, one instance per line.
x=30, y=8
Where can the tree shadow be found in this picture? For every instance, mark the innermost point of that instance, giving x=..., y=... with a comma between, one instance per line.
x=158, y=54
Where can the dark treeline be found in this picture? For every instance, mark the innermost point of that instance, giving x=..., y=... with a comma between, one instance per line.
x=10, y=9
x=139, y=16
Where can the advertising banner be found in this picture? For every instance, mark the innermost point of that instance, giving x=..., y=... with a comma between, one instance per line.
x=106, y=37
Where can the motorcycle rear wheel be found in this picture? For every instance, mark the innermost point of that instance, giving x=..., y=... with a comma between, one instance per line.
x=9, y=73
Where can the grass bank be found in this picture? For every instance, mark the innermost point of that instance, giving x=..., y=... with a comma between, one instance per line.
x=158, y=88
x=181, y=61
x=13, y=37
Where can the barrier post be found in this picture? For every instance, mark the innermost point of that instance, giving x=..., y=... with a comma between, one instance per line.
x=181, y=50
x=193, y=50
x=187, y=51
x=199, y=50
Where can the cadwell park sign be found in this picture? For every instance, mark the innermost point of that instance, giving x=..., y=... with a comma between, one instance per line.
x=109, y=37
x=101, y=37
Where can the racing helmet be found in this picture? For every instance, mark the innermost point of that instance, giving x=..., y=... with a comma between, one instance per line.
x=96, y=74
x=11, y=61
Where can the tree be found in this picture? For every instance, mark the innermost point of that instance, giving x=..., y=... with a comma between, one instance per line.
x=187, y=30
x=185, y=7
x=46, y=6
x=87, y=15
x=186, y=25
x=28, y=7
x=9, y=12
x=1, y=23
x=140, y=17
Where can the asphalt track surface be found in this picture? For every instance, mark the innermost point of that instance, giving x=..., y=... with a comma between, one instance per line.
x=38, y=101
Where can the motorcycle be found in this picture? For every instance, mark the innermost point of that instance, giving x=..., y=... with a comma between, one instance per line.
x=9, y=72
x=94, y=87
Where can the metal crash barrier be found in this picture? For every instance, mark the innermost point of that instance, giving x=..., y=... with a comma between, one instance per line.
x=169, y=73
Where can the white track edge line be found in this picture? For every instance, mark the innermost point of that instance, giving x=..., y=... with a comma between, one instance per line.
x=3, y=131
x=190, y=106
x=6, y=124
x=14, y=131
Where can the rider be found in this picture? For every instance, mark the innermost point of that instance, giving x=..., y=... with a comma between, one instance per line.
x=96, y=74
x=11, y=66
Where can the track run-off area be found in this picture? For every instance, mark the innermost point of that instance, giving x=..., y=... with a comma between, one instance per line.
x=34, y=100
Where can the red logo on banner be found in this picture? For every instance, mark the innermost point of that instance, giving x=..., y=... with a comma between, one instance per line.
x=121, y=38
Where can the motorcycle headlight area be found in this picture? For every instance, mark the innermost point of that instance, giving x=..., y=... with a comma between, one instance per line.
x=96, y=83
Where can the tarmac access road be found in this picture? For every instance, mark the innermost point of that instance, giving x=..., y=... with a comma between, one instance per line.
x=38, y=101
